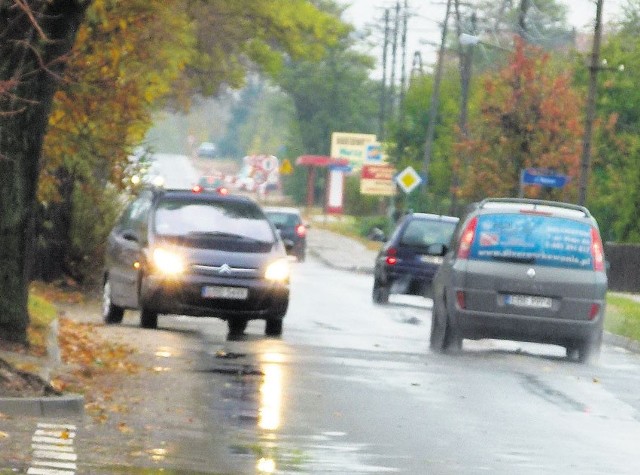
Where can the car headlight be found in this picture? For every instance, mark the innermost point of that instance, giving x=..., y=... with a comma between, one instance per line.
x=168, y=262
x=278, y=271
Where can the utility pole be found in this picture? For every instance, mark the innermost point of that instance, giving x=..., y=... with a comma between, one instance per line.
x=383, y=91
x=522, y=19
x=465, y=59
x=394, y=51
x=594, y=67
x=403, y=69
x=435, y=97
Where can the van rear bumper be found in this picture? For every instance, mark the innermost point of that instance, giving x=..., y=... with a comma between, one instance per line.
x=478, y=325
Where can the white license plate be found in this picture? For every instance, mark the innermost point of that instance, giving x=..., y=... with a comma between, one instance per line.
x=219, y=292
x=528, y=301
x=431, y=259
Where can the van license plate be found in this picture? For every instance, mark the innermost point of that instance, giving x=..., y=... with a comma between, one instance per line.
x=431, y=259
x=528, y=301
x=219, y=292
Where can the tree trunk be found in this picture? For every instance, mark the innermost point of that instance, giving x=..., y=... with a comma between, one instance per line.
x=33, y=45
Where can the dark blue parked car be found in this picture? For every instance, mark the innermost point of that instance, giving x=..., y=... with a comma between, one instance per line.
x=408, y=261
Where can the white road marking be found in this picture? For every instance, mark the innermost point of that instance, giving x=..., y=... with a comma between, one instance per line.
x=44, y=425
x=47, y=471
x=59, y=433
x=55, y=448
x=46, y=454
x=51, y=440
x=66, y=465
x=53, y=451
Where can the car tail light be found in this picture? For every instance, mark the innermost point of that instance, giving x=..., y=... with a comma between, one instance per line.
x=467, y=238
x=595, y=310
x=222, y=190
x=301, y=230
x=391, y=256
x=197, y=189
x=597, y=252
x=460, y=299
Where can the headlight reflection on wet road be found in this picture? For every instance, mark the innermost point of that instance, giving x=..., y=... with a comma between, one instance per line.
x=269, y=415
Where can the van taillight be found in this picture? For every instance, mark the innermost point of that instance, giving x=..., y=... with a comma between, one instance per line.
x=301, y=230
x=467, y=238
x=595, y=310
x=597, y=252
x=391, y=256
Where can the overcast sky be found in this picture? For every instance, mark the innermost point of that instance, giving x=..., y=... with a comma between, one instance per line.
x=424, y=26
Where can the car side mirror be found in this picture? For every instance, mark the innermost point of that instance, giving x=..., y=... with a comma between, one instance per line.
x=377, y=234
x=129, y=235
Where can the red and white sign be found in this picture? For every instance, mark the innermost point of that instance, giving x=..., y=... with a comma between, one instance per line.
x=377, y=180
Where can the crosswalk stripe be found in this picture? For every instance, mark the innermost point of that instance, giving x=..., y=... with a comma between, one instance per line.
x=51, y=440
x=56, y=433
x=47, y=471
x=47, y=454
x=45, y=425
x=55, y=448
x=47, y=463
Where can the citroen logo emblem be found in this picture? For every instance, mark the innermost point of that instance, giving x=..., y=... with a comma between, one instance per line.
x=531, y=272
x=225, y=269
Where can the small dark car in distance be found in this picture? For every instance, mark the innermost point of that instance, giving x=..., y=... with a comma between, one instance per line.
x=197, y=253
x=293, y=230
x=410, y=258
x=523, y=270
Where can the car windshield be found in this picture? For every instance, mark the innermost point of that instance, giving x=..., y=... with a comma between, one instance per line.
x=212, y=218
x=545, y=240
x=422, y=232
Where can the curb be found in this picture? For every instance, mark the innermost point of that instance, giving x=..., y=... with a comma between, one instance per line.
x=333, y=265
x=46, y=406
x=622, y=342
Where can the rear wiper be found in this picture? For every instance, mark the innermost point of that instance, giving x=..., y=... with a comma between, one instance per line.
x=519, y=260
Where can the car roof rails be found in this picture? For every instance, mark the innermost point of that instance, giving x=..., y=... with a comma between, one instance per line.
x=535, y=204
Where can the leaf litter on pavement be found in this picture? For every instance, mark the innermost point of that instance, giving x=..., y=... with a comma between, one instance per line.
x=89, y=363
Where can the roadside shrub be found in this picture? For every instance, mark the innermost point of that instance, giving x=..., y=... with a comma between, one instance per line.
x=93, y=216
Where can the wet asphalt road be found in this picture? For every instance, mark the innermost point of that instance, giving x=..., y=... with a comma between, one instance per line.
x=351, y=388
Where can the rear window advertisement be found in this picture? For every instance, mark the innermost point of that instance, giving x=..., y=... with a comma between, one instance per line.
x=541, y=240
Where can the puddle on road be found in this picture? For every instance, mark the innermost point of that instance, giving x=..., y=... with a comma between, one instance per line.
x=252, y=403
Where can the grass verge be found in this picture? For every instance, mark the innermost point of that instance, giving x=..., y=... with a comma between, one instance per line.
x=623, y=316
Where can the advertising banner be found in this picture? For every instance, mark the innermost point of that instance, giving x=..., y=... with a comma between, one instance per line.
x=353, y=147
x=377, y=180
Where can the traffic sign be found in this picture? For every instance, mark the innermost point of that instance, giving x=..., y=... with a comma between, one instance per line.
x=543, y=177
x=285, y=167
x=408, y=179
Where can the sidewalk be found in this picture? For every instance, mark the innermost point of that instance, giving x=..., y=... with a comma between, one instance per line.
x=340, y=252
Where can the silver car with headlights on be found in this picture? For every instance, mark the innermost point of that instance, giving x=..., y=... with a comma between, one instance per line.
x=197, y=253
x=524, y=270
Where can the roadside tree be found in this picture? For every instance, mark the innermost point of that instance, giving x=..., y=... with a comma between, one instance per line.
x=529, y=117
x=35, y=39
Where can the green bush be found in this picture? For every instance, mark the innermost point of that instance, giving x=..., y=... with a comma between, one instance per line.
x=94, y=214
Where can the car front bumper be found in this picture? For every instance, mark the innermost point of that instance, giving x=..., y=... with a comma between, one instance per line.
x=184, y=296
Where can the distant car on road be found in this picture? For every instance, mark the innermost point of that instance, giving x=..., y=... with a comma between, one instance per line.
x=207, y=150
x=410, y=258
x=193, y=253
x=525, y=270
x=292, y=229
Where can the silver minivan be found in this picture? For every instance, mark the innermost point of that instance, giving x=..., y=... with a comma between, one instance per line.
x=524, y=270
